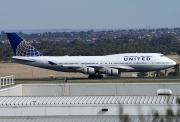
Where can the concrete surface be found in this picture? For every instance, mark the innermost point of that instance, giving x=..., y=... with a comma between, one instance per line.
x=89, y=89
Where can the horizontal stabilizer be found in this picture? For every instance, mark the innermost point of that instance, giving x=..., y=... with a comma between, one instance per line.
x=22, y=59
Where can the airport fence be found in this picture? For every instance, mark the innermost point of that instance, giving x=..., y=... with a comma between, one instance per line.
x=6, y=81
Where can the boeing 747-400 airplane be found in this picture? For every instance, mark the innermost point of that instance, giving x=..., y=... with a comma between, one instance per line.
x=94, y=66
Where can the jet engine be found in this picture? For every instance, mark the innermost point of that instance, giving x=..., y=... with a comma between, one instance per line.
x=112, y=72
x=88, y=70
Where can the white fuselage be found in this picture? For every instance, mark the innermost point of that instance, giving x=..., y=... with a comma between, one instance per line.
x=127, y=62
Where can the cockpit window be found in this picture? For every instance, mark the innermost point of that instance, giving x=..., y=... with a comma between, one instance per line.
x=162, y=56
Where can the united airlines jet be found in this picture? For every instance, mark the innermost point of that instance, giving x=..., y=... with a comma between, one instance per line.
x=94, y=66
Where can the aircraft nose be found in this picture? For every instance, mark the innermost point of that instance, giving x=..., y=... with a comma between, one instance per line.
x=174, y=63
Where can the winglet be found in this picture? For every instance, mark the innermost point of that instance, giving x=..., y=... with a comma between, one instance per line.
x=21, y=47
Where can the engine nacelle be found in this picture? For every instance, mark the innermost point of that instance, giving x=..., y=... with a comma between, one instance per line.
x=88, y=70
x=112, y=72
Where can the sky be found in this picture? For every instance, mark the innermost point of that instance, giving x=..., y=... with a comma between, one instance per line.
x=89, y=14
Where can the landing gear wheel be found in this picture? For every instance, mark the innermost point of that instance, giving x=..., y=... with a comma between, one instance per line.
x=100, y=76
x=91, y=76
x=95, y=76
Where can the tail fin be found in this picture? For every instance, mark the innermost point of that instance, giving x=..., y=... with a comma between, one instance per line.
x=22, y=47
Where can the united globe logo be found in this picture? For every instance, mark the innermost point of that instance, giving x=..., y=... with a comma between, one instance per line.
x=25, y=49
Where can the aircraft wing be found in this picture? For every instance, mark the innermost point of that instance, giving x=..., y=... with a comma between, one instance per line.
x=72, y=66
x=67, y=66
x=93, y=66
x=115, y=67
x=98, y=67
x=121, y=67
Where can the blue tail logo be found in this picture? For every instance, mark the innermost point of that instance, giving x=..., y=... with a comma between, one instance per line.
x=22, y=47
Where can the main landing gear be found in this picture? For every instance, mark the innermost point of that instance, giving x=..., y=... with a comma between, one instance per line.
x=96, y=76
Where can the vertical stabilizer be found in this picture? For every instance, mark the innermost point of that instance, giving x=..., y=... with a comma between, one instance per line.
x=22, y=47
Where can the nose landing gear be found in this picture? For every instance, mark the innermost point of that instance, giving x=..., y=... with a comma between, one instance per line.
x=98, y=75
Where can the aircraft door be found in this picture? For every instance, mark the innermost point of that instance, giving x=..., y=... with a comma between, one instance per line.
x=152, y=62
x=101, y=62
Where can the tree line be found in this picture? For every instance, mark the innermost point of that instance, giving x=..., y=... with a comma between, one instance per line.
x=164, y=45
